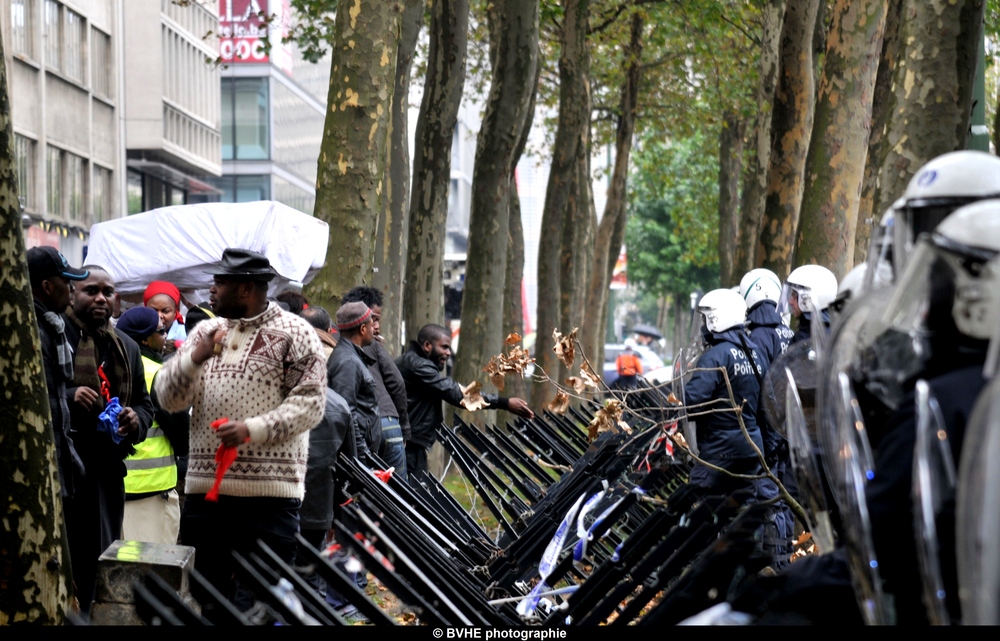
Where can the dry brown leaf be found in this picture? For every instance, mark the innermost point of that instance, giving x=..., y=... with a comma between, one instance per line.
x=513, y=339
x=803, y=538
x=472, y=400
x=565, y=346
x=559, y=404
x=607, y=418
x=577, y=383
x=673, y=400
x=590, y=378
x=513, y=362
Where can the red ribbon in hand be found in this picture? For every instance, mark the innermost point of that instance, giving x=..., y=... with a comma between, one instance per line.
x=224, y=457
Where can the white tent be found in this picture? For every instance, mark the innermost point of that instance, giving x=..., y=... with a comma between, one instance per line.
x=177, y=243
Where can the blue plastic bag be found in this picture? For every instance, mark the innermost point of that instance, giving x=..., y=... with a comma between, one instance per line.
x=108, y=420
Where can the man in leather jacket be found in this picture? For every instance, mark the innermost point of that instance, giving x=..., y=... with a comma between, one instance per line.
x=426, y=387
x=348, y=374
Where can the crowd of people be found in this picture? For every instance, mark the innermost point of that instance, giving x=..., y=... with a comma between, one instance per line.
x=223, y=426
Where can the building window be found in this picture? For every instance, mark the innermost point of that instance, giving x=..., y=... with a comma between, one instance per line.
x=53, y=181
x=24, y=160
x=100, y=73
x=52, y=35
x=74, y=41
x=65, y=40
x=101, y=191
x=74, y=186
x=134, y=190
x=20, y=28
x=245, y=119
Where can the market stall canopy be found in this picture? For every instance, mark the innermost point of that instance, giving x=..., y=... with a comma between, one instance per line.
x=647, y=330
x=178, y=243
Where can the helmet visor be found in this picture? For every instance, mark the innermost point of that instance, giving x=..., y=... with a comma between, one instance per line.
x=915, y=218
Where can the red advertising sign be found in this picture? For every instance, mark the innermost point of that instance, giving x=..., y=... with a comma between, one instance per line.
x=245, y=27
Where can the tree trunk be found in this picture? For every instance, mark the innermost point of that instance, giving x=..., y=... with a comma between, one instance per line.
x=931, y=101
x=507, y=110
x=730, y=163
x=391, y=234
x=513, y=308
x=350, y=177
x=423, y=301
x=611, y=230
x=791, y=129
x=839, y=144
x=571, y=129
x=35, y=581
x=755, y=189
x=573, y=237
x=867, y=217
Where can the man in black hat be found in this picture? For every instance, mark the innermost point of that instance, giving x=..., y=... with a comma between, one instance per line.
x=51, y=278
x=258, y=375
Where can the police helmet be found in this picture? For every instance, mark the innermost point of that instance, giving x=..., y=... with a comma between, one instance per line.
x=723, y=309
x=815, y=287
x=758, y=285
x=938, y=188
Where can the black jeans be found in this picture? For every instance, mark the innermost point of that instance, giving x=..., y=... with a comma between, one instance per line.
x=235, y=523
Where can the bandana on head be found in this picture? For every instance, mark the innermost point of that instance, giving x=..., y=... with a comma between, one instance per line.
x=163, y=287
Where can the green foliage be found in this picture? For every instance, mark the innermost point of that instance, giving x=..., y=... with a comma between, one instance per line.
x=673, y=216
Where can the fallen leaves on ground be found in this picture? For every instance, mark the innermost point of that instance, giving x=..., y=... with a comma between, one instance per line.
x=472, y=400
x=565, y=346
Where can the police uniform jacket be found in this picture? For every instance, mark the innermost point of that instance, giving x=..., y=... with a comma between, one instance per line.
x=719, y=434
x=769, y=334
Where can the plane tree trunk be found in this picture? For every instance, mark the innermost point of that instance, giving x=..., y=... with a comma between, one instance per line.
x=836, y=161
x=350, y=182
x=423, y=301
x=507, y=110
x=35, y=579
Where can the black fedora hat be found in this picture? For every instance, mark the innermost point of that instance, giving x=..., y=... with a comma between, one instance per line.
x=243, y=263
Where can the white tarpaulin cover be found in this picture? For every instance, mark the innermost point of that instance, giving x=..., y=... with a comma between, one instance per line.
x=177, y=243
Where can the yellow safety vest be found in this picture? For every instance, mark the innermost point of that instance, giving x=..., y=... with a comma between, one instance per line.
x=153, y=467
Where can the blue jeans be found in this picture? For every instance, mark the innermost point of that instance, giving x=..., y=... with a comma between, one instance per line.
x=393, y=450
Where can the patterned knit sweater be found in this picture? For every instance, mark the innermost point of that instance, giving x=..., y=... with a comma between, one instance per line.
x=272, y=375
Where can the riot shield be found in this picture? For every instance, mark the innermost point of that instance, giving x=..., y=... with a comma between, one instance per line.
x=851, y=475
x=800, y=359
x=687, y=359
x=800, y=448
x=978, y=512
x=843, y=356
x=933, y=481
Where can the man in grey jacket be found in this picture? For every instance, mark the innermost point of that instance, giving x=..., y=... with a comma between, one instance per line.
x=389, y=386
x=348, y=374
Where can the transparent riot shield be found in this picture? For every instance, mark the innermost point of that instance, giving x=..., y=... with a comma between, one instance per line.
x=933, y=481
x=800, y=447
x=800, y=360
x=819, y=335
x=978, y=512
x=687, y=359
x=852, y=473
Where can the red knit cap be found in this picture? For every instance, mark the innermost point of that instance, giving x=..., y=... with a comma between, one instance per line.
x=163, y=287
